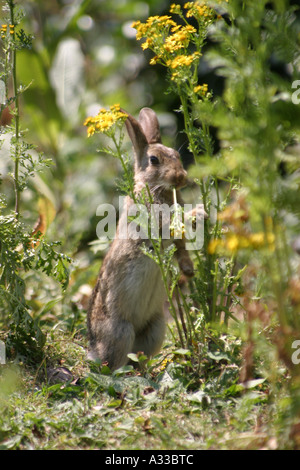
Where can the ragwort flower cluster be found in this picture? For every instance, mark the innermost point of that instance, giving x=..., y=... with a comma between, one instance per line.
x=177, y=46
x=4, y=30
x=236, y=234
x=105, y=121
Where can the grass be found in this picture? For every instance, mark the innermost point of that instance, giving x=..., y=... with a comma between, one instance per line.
x=229, y=390
x=165, y=407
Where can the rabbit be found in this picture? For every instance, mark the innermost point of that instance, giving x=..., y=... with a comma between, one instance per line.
x=125, y=313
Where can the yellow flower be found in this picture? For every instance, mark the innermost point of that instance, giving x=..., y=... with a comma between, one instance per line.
x=104, y=120
x=136, y=24
x=213, y=245
x=271, y=240
x=175, y=9
x=232, y=243
x=201, y=89
x=180, y=39
x=175, y=28
x=3, y=30
x=165, y=362
x=259, y=239
x=183, y=60
x=199, y=11
x=164, y=20
x=153, y=24
x=148, y=43
x=154, y=60
x=90, y=131
x=175, y=42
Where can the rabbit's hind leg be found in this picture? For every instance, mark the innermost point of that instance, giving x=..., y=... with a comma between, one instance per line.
x=115, y=343
x=150, y=339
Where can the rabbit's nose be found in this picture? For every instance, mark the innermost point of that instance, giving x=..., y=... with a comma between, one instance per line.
x=181, y=178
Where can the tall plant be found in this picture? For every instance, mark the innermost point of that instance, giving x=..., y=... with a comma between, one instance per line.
x=178, y=45
x=22, y=248
x=177, y=41
x=250, y=187
x=256, y=121
x=257, y=53
x=254, y=47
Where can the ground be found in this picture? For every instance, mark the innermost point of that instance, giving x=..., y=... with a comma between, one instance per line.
x=66, y=403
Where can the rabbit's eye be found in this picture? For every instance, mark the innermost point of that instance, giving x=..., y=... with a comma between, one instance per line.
x=154, y=160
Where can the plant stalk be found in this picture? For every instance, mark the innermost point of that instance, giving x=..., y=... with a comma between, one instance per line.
x=16, y=114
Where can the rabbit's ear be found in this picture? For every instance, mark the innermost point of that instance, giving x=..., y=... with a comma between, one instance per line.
x=150, y=125
x=136, y=136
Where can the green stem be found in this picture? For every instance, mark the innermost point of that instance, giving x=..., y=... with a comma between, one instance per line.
x=125, y=168
x=157, y=251
x=191, y=329
x=214, y=292
x=188, y=124
x=6, y=62
x=17, y=116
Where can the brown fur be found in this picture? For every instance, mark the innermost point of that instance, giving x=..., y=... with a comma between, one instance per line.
x=126, y=308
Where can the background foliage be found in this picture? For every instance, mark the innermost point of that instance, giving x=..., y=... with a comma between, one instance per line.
x=80, y=55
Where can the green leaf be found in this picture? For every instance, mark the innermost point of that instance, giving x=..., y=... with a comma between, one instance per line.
x=199, y=397
x=133, y=357
x=183, y=352
x=253, y=383
x=218, y=356
x=115, y=403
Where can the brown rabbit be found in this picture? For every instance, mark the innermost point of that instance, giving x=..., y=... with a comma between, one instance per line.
x=126, y=307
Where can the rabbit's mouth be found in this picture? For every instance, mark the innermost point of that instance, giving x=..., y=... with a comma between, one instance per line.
x=178, y=181
x=160, y=187
x=180, y=184
x=168, y=183
x=167, y=186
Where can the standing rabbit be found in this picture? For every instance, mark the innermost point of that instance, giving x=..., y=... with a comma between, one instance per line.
x=126, y=307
